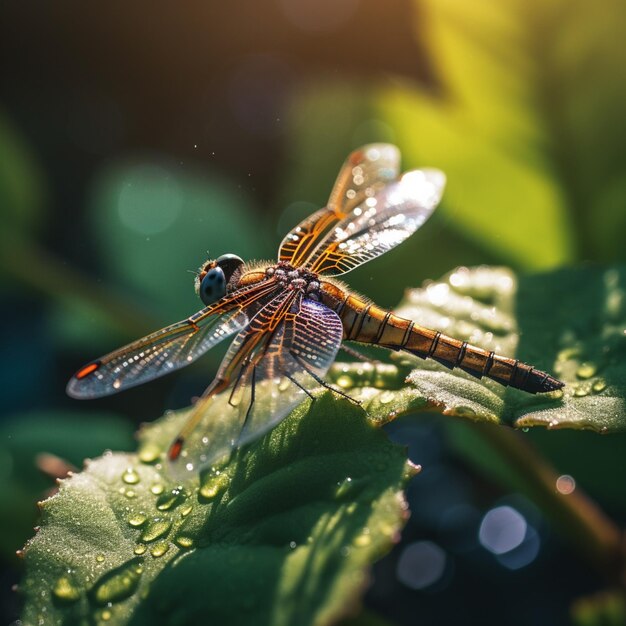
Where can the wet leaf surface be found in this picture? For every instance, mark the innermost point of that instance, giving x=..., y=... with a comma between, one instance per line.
x=295, y=519
x=570, y=323
x=288, y=527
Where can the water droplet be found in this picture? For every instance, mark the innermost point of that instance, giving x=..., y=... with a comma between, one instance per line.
x=344, y=381
x=149, y=453
x=184, y=542
x=140, y=548
x=100, y=558
x=586, y=370
x=106, y=615
x=65, y=590
x=580, y=391
x=525, y=429
x=129, y=493
x=464, y=411
x=568, y=353
x=363, y=540
x=556, y=394
x=343, y=487
x=118, y=584
x=157, y=489
x=186, y=510
x=386, y=397
x=213, y=484
x=130, y=476
x=293, y=545
x=171, y=499
x=159, y=549
x=156, y=530
x=137, y=520
x=599, y=385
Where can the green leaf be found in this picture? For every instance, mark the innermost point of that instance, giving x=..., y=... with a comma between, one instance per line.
x=569, y=322
x=71, y=436
x=282, y=534
x=527, y=124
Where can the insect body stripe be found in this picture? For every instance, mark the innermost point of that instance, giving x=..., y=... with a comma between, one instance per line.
x=461, y=355
x=407, y=334
x=433, y=345
x=381, y=328
x=361, y=319
x=489, y=363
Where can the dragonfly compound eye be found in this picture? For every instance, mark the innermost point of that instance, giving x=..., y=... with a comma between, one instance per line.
x=230, y=263
x=213, y=286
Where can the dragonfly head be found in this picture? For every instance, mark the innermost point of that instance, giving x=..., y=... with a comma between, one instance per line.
x=215, y=277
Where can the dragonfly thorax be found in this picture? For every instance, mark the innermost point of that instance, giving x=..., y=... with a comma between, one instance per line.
x=293, y=278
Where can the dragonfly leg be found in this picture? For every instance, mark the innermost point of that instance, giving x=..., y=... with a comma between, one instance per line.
x=297, y=384
x=244, y=365
x=252, y=397
x=324, y=384
x=353, y=352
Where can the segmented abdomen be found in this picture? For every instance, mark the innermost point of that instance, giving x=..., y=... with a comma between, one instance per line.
x=367, y=323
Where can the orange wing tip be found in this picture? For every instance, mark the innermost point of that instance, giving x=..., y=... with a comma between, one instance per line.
x=88, y=369
x=175, y=449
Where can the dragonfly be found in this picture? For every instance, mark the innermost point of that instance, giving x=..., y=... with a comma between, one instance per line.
x=288, y=318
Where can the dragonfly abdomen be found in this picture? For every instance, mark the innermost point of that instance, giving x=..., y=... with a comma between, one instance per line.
x=367, y=323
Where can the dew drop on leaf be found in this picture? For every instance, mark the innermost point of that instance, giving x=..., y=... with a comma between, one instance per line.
x=137, y=520
x=118, y=584
x=156, y=530
x=130, y=476
x=65, y=590
x=362, y=540
x=171, y=499
x=149, y=453
x=159, y=549
x=343, y=487
x=586, y=370
x=599, y=385
x=386, y=397
x=213, y=484
x=184, y=542
x=580, y=391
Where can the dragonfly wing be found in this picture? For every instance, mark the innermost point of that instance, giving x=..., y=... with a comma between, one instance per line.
x=379, y=224
x=268, y=382
x=155, y=355
x=365, y=171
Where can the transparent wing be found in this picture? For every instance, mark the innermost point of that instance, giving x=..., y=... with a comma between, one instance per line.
x=155, y=355
x=265, y=375
x=378, y=224
x=168, y=349
x=365, y=171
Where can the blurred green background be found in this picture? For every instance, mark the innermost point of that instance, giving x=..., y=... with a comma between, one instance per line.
x=137, y=139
